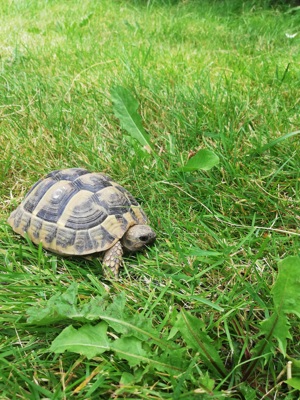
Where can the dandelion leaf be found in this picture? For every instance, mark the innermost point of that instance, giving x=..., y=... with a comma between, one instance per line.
x=193, y=332
x=172, y=362
x=130, y=349
x=125, y=108
x=286, y=298
x=88, y=340
x=286, y=293
x=278, y=327
x=63, y=307
x=59, y=307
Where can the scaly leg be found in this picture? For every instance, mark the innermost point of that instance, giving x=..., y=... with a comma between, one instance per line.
x=113, y=258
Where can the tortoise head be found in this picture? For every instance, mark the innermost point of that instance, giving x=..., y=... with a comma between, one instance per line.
x=137, y=237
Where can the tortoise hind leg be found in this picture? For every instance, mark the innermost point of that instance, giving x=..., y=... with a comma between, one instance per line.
x=113, y=258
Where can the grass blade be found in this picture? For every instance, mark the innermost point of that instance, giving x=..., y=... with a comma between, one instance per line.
x=277, y=141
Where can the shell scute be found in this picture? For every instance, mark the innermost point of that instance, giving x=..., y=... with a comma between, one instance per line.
x=126, y=194
x=36, y=193
x=113, y=200
x=84, y=242
x=48, y=233
x=65, y=239
x=54, y=201
x=15, y=218
x=35, y=229
x=83, y=212
x=104, y=239
x=69, y=174
x=92, y=182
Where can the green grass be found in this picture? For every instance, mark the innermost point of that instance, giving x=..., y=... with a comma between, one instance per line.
x=220, y=75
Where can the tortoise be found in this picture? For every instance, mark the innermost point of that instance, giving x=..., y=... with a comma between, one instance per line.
x=75, y=212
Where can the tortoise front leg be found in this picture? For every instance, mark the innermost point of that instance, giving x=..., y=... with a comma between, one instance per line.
x=113, y=258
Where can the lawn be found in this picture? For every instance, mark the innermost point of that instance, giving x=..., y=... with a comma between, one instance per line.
x=211, y=309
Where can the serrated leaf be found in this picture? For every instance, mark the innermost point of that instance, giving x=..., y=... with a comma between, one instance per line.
x=277, y=327
x=127, y=379
x=130, y=349
x=91, y=341
x=139, y=373
x=116, y=315
x=92, y=310
x=248, y=392
x=97, y=307
x=203, y=160
x=207, y=383
x=56, y=309
x=286, y=293
x=192, y=330
x=136, y=326
x=172, y=362
x=264, y=350
x=63, y=307
x=125, y=108
x=286, y=297
x=88, y=340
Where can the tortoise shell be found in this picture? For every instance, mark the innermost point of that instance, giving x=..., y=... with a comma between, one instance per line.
x=76, y=212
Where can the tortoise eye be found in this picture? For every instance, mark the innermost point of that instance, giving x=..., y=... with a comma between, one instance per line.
x=144, y=238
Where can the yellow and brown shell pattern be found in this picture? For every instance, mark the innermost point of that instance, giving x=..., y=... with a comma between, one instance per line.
x=76, y=212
